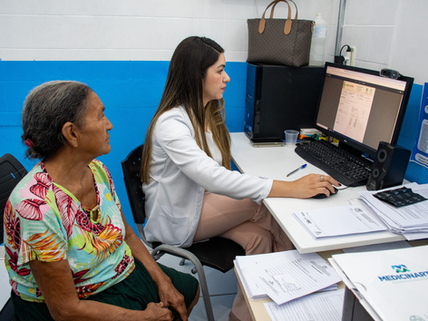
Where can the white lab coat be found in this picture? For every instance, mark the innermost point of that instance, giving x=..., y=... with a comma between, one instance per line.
x=180, y=173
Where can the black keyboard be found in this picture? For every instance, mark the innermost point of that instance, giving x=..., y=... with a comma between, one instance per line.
x=346, y=168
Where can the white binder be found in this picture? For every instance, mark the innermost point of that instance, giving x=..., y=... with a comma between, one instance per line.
x=391, y=285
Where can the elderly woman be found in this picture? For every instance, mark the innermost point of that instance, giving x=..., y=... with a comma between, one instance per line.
x=70, y=253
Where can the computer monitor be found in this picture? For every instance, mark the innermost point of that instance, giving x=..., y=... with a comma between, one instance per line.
x=361, y=108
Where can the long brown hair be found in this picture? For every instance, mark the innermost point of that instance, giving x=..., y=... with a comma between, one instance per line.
x=184, y=87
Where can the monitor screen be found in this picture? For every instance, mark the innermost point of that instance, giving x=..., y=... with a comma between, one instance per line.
x=361, y=108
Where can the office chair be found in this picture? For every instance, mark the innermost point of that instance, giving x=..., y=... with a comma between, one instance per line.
x=11, y=172
x=217, y=252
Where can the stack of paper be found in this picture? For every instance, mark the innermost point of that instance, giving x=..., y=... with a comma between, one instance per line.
x=390, y=285
x=343, y=220
x=324, y=306
x=411, y=221
x=285, y=276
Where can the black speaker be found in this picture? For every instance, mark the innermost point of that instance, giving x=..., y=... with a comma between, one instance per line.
x=389, y=166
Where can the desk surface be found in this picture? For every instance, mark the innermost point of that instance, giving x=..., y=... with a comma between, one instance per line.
x=276, y=163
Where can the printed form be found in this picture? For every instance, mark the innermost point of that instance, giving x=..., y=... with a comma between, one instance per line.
x=288, y=275
x=351, y=118
x=324, y=306
x=342, y=220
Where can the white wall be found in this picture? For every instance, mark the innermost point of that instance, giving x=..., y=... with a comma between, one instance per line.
x=128, y=29
x=386, y=33
x=389, y=34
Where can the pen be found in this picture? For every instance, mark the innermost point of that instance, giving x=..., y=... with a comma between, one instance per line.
x=301, y=167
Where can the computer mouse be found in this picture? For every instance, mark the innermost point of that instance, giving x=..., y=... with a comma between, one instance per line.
x=322, y=195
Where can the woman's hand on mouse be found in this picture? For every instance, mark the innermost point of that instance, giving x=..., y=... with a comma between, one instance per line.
x=305, y=187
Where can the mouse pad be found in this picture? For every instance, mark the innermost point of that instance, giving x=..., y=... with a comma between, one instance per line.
x=400, y=197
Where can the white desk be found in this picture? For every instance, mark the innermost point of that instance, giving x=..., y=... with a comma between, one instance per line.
x=276, y=163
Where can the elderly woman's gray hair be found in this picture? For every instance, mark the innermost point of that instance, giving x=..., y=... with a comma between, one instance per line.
x=46, y=109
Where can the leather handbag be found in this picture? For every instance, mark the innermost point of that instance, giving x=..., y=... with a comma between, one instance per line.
x=279, y=41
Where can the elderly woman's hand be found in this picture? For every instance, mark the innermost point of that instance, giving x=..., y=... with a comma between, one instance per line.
x=157, y=311
x=169, y=296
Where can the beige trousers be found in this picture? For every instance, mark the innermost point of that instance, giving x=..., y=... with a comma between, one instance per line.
x=246, y=223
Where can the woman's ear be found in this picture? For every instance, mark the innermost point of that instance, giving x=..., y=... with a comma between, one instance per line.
x=71, y=134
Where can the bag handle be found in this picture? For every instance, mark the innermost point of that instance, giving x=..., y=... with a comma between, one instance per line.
x=278, y=1
x=288, y=22
x=295, y=17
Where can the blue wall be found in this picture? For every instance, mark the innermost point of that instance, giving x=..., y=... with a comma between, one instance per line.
x=131, y=90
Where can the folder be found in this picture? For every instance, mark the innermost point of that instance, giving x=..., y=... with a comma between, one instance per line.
x=391, y=285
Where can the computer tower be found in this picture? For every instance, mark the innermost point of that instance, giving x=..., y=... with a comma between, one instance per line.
x=279, y=98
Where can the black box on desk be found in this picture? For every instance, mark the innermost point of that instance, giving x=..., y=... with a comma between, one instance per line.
x=279, y=98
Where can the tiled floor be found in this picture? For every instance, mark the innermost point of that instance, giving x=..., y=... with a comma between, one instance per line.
x=222, y=288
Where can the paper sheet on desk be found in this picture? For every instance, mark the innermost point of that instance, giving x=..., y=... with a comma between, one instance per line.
x=250, y=283
x=343, y=220
x=288, y=275
x=251, y=286
x=326, y=306
x=410, y=220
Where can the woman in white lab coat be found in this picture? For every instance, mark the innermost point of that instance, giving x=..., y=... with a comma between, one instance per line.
x=191, y=192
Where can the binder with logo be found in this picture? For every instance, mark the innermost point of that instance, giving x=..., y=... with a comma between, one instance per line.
x=391, y=285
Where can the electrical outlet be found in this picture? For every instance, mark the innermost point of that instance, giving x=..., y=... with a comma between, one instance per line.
x=353, y=54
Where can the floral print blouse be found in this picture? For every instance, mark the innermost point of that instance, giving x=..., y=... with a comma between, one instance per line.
x=44, y=221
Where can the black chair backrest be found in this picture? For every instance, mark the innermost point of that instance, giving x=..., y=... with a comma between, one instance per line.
x=131, y=175
x=11, y=172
